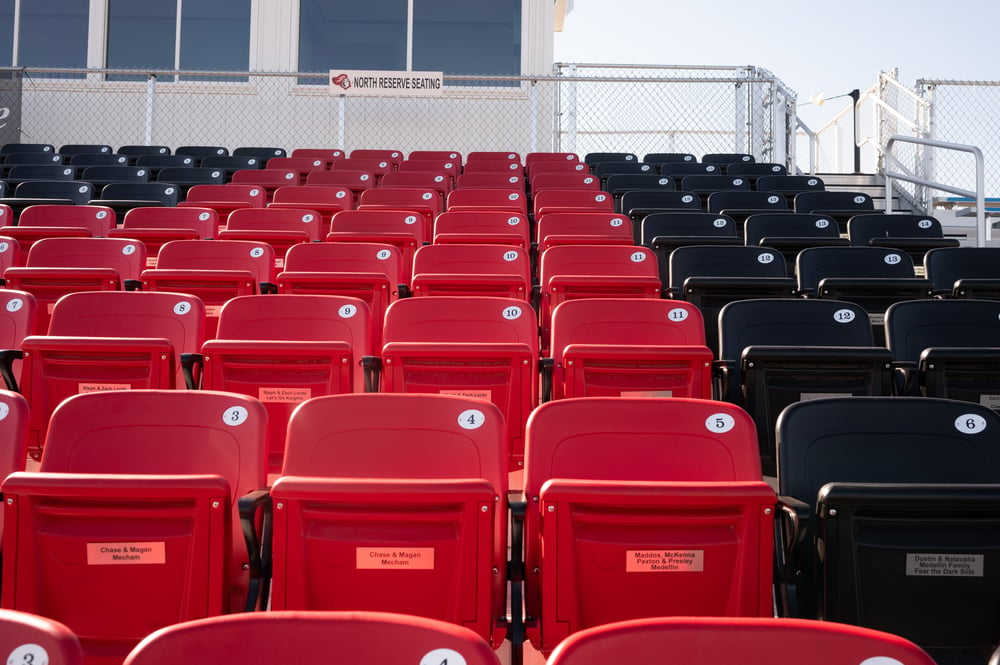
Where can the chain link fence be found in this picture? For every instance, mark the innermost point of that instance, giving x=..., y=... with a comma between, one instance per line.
x=578, y=108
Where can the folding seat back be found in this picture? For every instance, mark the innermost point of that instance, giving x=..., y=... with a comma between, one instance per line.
x=368, y=271
x=57, y=266
x=873, y=277
x=428, y=202
x=100, y=176
x=327, y=200
x=668, y=157
x=773, y=352
x=512, y=200
x=261, y=637
x=285, y=349
x=85, y=159
x=29, y=638
x=538, y=168
x=705, y=185
x=630, y=348
x=97, y=219
x=156, y=161
x=569, y=200
x=497, y=166
x=133, y=152
x=304, y=165
x=8, y=148
x=186, y=177
x=901, y=496
x=642, y=508
x=639, y=203
x=726, y=158
x=212, y=270
x=564, y=181
x=482, y=347
x=155, y=227
x=604, y=170
x=10, y=251
x=790, y=184
x=17, y=321
x=71, y=149
x=711, y=276
x=743, y=203
x=417, y=155
x=439, y=181
x=163, y=193
x=451, y=167
x=14, y=438
x=838, y=204
x=582, y=228
x=109, y=341
x=913, y=234
x=394, y=157
x=199, y=152
x=492, y=156
x=24, y=172
x=533, y=158
x=619, y=183
x=399, y=228
x=50, y=221
x=432, y=502
x=946, y=348
x=268, y=179
x=374, y=165
x=790, y=233
x=680, y=170
x=262, y=153
x=964, y=272
x=73, y=190
x=503, y=180
x=138, y=507
x=328, y=155
x=715, y=640
x=663, y=232
x=230, y=164
x=481, y=270
x=355, y=180
x=592, y=158
x=226, y=198
x=281, y=228
x=568, y=272
x=494, y=227
x=754, y=170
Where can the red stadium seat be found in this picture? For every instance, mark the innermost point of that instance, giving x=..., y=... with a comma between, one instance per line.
x=721, y=640
x=629, y=347
x=425, y=514
x=582, y=228
x=279, y=227
x=18, y=312
x=643, y=508
x=261, y=638
x=225, y=198
x=155, y=227
x=512, y=200
x=478, y=270
x=285, y=349
x=399, y=228
x=495, y=227
x=474, y=346
x=29, y=638
x=131, y=522
x=368, y=271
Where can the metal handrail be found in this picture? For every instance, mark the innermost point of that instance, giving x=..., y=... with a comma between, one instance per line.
x=983, y=231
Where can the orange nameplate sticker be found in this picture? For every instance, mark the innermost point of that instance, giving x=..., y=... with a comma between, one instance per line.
x=485, y=395
x=102, y=387
x=290, y=395
x=102, y=554
x=279, y=262
x=151, y=261
x=664, y=561
x=647, y=393
x=212, y=311
x=384, y=558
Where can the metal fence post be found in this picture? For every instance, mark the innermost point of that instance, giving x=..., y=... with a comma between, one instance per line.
x=150, y=98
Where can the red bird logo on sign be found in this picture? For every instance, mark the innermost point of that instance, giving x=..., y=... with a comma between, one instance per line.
x=343, y=80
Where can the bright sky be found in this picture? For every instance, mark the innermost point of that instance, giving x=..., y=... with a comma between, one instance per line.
x=812, y=47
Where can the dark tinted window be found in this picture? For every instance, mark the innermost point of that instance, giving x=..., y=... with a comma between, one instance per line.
x=216, y=35
x=467, y=36
x=6, y=33
x=141, y=35
x=351, y=34
x=53, y=33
